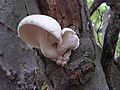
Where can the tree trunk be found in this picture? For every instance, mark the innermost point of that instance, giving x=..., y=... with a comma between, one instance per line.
x=24, y=69
x=17, y=61
x=80, y=71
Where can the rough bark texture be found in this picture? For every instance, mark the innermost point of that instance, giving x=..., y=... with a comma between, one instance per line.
x=22, y=69
x=78, y=73
x=65, y=12
x=17, y=61
x=111, y=36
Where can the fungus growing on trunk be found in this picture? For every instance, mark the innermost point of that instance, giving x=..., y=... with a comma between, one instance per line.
x=70, y=42
x=44, y=32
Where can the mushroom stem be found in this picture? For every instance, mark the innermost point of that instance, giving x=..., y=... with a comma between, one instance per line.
x=62, y=60
x=59, y=60
x=66, y=57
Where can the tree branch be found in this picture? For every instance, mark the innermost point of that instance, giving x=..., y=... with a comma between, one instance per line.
x=95, y=5
x=109, y=46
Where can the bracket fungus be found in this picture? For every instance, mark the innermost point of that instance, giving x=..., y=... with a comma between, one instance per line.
x=44, y=32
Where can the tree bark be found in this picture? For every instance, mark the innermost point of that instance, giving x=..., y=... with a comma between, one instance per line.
x=111, y=37
x=17, y=61
x=95, y=5
x=28, y=70
x=80, y=71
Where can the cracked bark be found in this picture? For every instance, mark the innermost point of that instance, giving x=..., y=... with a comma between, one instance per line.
x=14, y=54
x=80, y=70
x=18, y=62
x=111, y=37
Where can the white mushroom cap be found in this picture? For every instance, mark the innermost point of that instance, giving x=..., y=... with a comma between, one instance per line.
x=45, y=33
x=32, y=27
x=42, y=32
x=70, y=41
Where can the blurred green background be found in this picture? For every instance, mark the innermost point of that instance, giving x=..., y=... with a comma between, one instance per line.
x=97, y=22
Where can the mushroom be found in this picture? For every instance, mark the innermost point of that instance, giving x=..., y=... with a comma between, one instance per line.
x=42, y=32
x=70, y=42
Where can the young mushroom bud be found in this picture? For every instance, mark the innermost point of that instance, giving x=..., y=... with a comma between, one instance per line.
x=70, y=42
x=42, y=32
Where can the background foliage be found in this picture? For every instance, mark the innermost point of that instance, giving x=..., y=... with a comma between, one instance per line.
x=97, y=19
